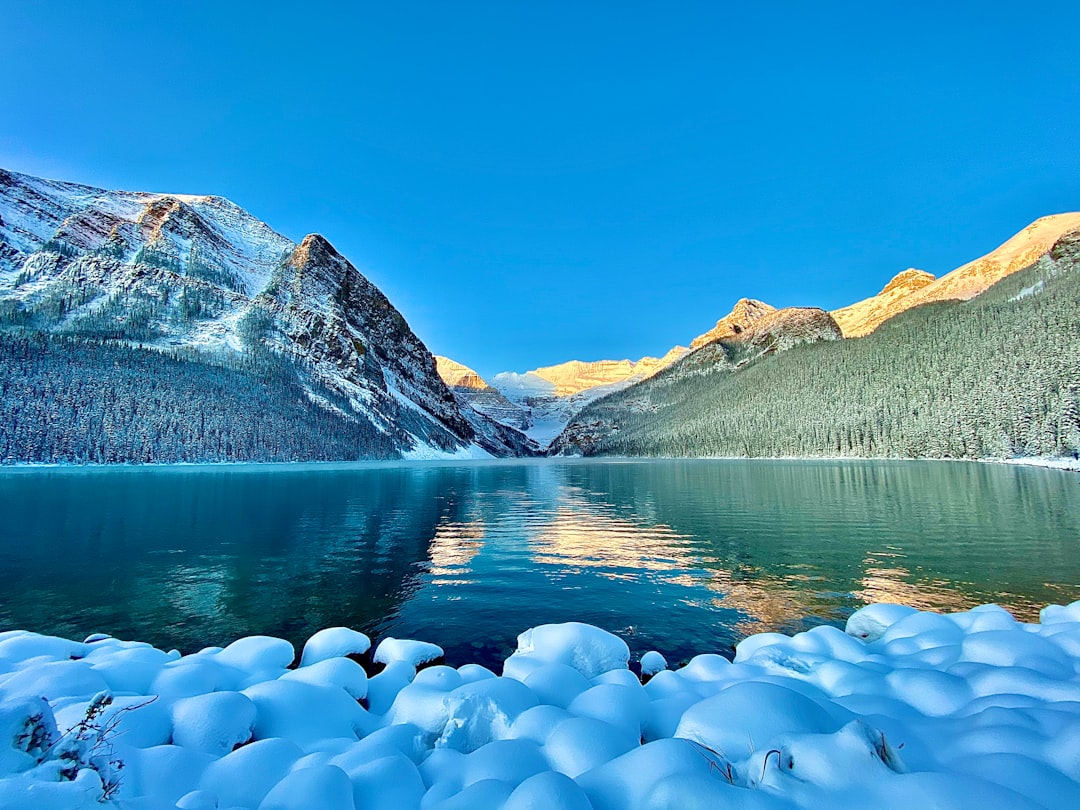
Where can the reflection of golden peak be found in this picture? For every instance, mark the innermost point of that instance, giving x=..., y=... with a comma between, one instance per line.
x=600, y=541
x=454, y=546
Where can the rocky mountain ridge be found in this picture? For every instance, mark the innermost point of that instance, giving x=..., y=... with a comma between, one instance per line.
x=913, y=288
x=201, y=277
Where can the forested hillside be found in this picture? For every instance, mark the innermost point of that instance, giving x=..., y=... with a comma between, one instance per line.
x=64, y=399
x=996, y=376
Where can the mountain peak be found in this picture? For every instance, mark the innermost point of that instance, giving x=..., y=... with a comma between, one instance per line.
x=741, y=317
x=313, y=248
x=910, y=279
x=458, y=375
x=913, y=287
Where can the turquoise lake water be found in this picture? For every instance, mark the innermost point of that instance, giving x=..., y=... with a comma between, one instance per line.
x=679, y=556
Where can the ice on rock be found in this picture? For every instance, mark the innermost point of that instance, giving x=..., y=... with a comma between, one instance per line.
x=422, y=706
x=708, y=667
x=334, y=642
x=342, y=673
x=930, y=692
x=482, y=711
x=325, y=787
x=1007, y=648
x=652, y=662
x=665, y=714
x=416, y=653
x=213, y=723
x=587, y=649
x=1060, y=614
x=441, y=677
x=984, y=617
x=403, y=738
x=749, y=715
x=871, y=622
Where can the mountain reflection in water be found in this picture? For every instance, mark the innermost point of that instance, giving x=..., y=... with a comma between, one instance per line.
x=679, y=556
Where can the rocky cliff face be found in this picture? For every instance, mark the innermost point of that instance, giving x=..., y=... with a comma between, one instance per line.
x=914, y=287
x=768, y=331
x=200, y=276
x=474, y=394
x=741, y=318
x=457, y=375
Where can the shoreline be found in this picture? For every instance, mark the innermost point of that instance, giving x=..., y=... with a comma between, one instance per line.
x=969, y=709
x=1049, y=463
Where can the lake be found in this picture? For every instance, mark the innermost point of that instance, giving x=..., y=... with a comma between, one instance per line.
x=679, y=556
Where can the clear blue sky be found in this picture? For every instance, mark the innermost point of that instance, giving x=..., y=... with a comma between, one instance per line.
x=534, y=182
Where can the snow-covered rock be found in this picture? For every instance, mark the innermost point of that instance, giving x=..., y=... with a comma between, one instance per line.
x=587, y=649
x=334, y=642
x=967, y=710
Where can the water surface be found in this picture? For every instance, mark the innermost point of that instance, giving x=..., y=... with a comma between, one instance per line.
x=679, y=556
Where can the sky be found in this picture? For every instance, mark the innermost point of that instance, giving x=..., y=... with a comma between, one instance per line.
x=531, y=183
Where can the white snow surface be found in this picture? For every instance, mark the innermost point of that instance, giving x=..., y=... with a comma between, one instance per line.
x=905, y=709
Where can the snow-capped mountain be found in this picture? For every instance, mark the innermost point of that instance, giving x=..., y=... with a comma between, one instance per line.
x=551, y=395
x=914, y=287
x=993, y=376
x=202, y=279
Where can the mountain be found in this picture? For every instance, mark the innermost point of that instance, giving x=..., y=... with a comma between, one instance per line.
x=742, y=316
x=551, y=395
x=997, y=375
x=497, y=421
x=912, y=288
x=199, y=282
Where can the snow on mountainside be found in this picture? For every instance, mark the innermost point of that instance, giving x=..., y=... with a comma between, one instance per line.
x=914, y=287
x=200, y=276
x=480, y=403
x=551, y=395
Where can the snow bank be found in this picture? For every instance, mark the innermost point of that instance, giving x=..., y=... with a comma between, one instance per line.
x=904, y=709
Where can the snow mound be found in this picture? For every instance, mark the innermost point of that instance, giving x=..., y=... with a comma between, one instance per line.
x=905, y=709
x=334, y=642
x=417, y=653
x=589, y=650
